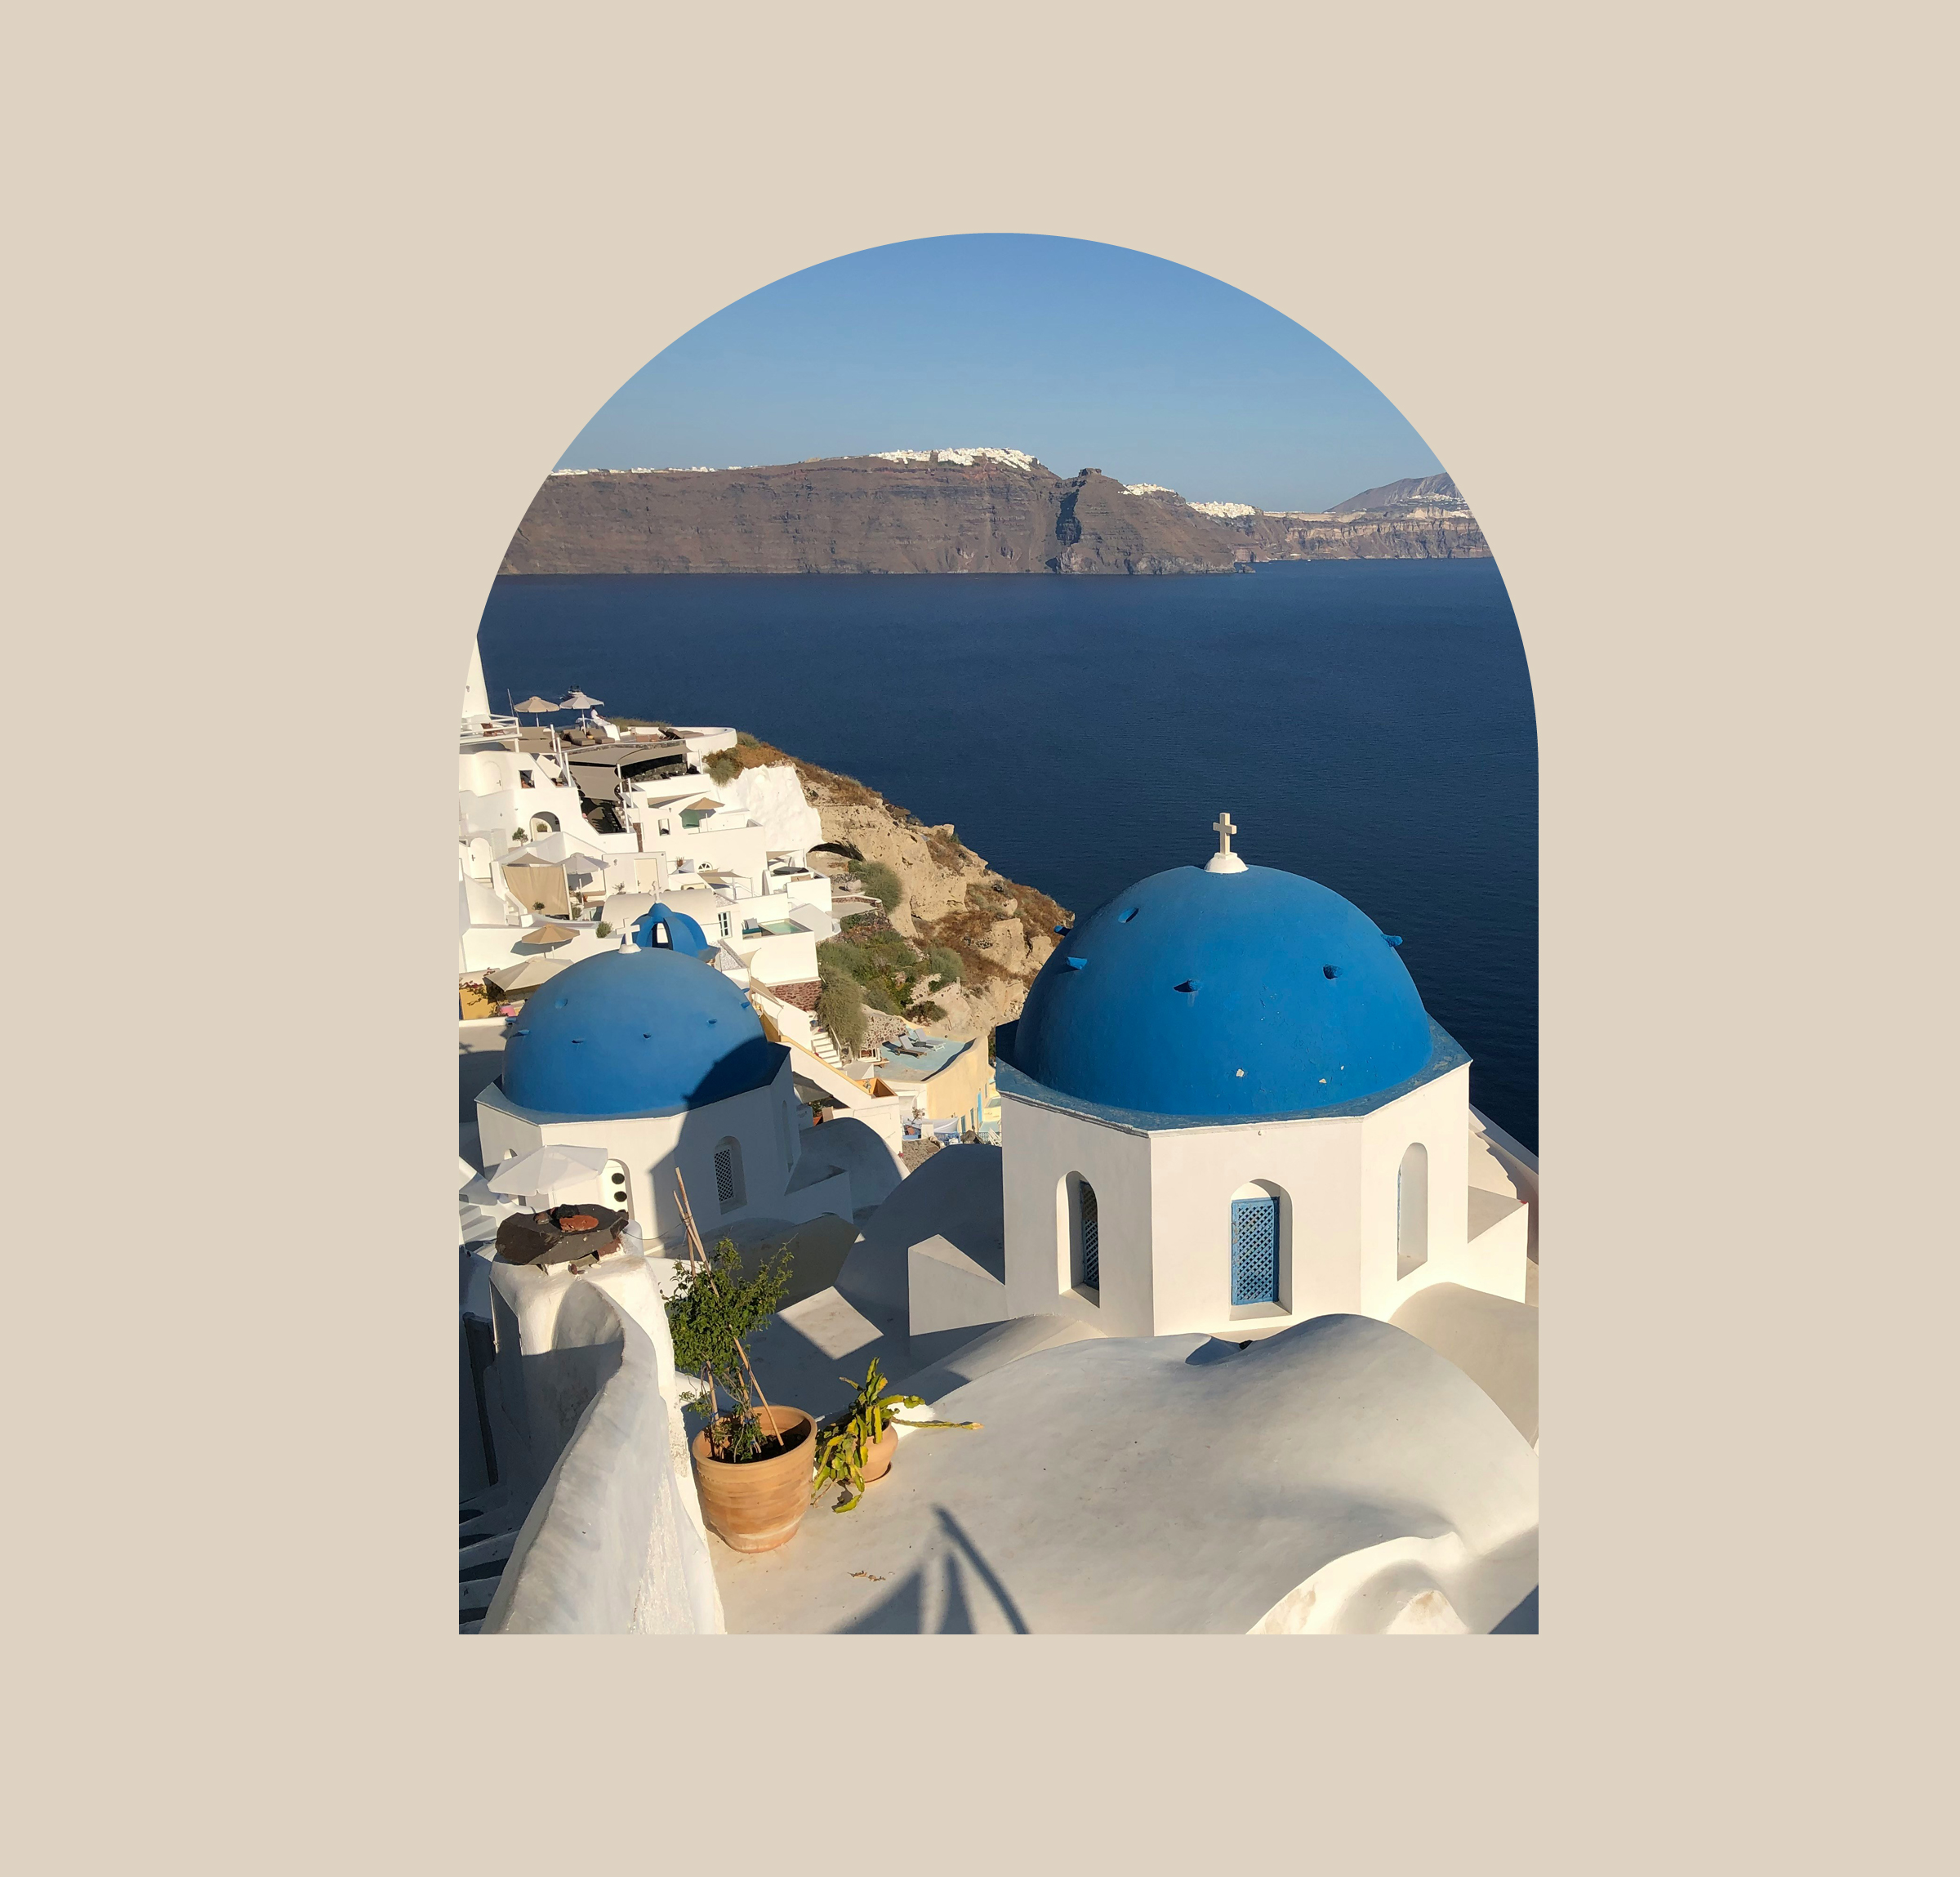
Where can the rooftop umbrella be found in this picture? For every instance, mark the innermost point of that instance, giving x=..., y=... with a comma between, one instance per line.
x=548, y=850
x=577, y=701
x=526, y=975
x=536, y=705
x=547, y=935
x=537, y=1175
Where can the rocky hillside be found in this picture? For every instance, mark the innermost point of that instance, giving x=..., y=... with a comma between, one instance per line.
x=963, y=511
x=1001, y=932
x=1420, y=518
x=1438, y=492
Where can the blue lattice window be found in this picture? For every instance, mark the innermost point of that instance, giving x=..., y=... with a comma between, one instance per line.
x=1255, y=1252
x=1091, y=1236
x=729, y=1187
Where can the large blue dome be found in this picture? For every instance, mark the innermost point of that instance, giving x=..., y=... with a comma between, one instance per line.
x=1226, y=995
x=635, y=1033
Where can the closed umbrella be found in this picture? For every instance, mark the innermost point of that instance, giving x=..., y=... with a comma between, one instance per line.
x=537, y=1175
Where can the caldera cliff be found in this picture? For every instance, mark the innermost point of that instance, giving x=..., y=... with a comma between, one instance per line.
x=952, y=512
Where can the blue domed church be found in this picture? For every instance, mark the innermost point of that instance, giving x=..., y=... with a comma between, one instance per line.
x=1224, y=1108
x=650, y=1054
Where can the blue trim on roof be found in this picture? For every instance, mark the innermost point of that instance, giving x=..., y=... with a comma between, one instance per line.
x=1446, y=1053
x=495, y=1096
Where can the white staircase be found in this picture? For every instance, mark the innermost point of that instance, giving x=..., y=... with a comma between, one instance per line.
x=824, y=1044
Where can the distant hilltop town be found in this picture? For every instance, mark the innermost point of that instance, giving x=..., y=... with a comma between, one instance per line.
x=972, y=510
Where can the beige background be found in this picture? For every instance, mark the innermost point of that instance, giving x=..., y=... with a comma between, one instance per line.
x=307, y=302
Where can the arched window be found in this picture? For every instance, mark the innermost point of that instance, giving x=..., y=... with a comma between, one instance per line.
x=729, y=1187
x=1080, y=1221
x=1255, y=1248
x=1412, y=1211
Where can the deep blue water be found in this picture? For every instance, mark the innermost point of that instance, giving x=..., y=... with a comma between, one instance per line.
x=1367, y=723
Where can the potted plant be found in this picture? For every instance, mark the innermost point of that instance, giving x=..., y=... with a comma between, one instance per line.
x=854, y=1449
x=752, y=1460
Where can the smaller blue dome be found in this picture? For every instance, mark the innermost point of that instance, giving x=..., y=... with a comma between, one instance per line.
x=634, y=1033
x=682, y=934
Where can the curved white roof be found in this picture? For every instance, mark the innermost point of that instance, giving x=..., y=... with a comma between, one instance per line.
x=1177, y=1485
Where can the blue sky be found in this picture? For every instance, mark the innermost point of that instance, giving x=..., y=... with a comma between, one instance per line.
x=1077, y=352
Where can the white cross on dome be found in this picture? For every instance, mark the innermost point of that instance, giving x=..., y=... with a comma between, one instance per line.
x=1224, y=861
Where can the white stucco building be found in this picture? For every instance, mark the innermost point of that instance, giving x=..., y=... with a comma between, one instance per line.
x=591, y=825
x=1224, y=1108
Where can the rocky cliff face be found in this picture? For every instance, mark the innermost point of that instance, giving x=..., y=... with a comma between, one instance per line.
x=1003, y=932
x=952, y=514
x=1406, y=535
x=1421, y=517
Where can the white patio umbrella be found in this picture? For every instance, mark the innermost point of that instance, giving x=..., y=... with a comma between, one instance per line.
x=537, y=1175
x=551, y=851
x=578, y=701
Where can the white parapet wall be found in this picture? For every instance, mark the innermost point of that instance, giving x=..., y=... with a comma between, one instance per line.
x=613, y=1543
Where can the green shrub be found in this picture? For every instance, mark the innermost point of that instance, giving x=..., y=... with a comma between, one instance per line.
x=943, y=963
x=881, y=883
x=881, y=962
x=845, y=960
x=602, y=930
x=841, y=1009
x=867, y=955
x=724, y=766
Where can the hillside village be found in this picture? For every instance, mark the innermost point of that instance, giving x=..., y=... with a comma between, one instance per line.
x=1177, y=1208
x=858, y=932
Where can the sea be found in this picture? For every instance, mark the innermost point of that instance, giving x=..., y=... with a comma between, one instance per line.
x=1367, y=723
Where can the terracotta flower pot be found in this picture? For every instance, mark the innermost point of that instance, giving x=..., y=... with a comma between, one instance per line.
x=878, y=1460
x=757, y=1504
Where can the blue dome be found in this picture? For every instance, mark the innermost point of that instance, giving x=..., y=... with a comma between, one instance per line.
x=684, y=933
x=635, y=1033
x=1225, y=995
